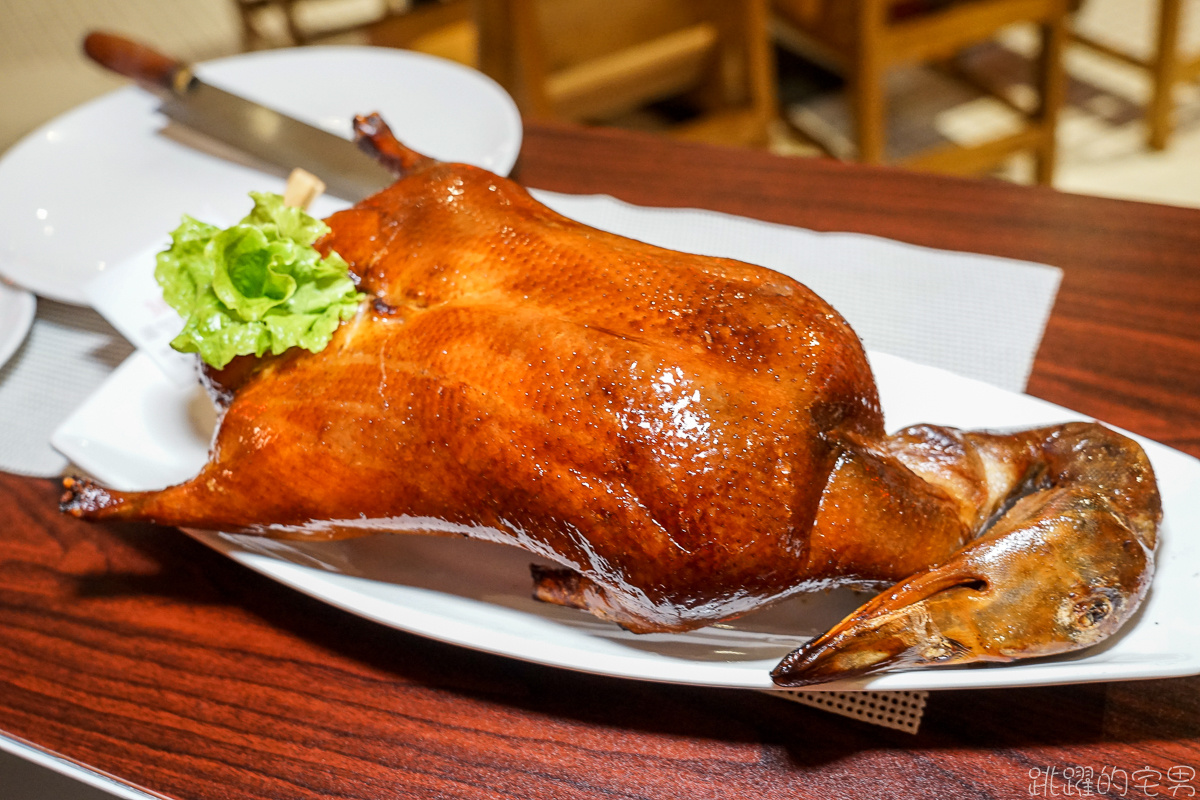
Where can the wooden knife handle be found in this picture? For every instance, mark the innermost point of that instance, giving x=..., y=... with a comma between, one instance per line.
x=133, y=60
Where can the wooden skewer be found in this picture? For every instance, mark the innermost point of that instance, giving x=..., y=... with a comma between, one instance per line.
x=302, y=189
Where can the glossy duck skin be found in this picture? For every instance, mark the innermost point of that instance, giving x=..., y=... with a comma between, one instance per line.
x=690, y=438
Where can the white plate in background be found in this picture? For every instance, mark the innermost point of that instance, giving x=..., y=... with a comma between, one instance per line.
x=92, y=187
x=141, y=431
x=17, y=308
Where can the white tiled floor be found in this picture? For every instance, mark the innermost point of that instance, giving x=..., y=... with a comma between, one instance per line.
x=1102, y=133
x=42, y=74
x=1105, y=153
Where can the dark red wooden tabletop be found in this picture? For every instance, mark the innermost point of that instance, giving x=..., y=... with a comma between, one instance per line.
x=142, y=654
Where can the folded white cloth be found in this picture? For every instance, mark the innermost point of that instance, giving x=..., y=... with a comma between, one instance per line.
x=978, y=316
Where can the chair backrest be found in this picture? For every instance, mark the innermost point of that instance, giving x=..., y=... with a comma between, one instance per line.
x=911, y=30
x=591, y=59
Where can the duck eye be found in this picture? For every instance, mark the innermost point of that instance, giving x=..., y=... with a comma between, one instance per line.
x=1092, y=611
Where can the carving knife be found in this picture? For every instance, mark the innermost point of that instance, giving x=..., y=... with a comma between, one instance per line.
x=250, y=127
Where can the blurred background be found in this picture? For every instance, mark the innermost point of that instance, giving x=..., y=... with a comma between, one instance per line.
x=945, y=85
x=1090, y=96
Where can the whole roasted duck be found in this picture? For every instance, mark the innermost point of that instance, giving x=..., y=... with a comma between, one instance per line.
x=690, y=438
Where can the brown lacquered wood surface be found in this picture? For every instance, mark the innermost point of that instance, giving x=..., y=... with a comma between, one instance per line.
x=142, y=654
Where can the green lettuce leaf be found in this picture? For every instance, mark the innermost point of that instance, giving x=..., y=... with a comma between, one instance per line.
x=255, y=287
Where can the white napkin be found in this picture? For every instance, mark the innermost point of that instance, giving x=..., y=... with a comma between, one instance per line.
x=979, y=316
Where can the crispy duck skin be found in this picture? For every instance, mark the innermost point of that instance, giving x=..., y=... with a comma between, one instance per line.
x=690, y=438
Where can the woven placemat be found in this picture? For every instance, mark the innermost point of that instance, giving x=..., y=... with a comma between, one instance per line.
x=68, y=353
x=899, y=710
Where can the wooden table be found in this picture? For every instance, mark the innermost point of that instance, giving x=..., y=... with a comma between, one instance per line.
x=142, y=654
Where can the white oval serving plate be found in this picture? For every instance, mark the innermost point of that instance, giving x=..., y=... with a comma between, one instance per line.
x=92, y=187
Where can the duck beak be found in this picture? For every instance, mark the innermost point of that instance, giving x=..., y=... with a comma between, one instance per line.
x=917, y=623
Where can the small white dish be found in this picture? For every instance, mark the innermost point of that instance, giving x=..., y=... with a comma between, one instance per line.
x=143, y=431
x=17, y=308
x=91, y=188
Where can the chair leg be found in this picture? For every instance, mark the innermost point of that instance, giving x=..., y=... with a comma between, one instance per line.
x=511, y=52
x=1053, y=90
x=760, y=67
x=867, y=83
x=1163, y=72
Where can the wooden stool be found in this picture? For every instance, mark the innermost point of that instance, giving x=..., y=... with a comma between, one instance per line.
x=1167, y=68
x=864, y=39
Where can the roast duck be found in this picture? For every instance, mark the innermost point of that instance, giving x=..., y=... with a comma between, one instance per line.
x=688, y=438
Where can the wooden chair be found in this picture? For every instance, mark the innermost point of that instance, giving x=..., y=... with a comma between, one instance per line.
x=586, y=60
x=1167, y=68
x=864, y=39
x=590, y=60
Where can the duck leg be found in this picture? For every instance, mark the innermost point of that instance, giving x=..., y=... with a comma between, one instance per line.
x=375, y=138
x=1065, y=561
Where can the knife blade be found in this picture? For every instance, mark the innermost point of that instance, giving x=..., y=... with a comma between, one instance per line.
x=253, y=128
